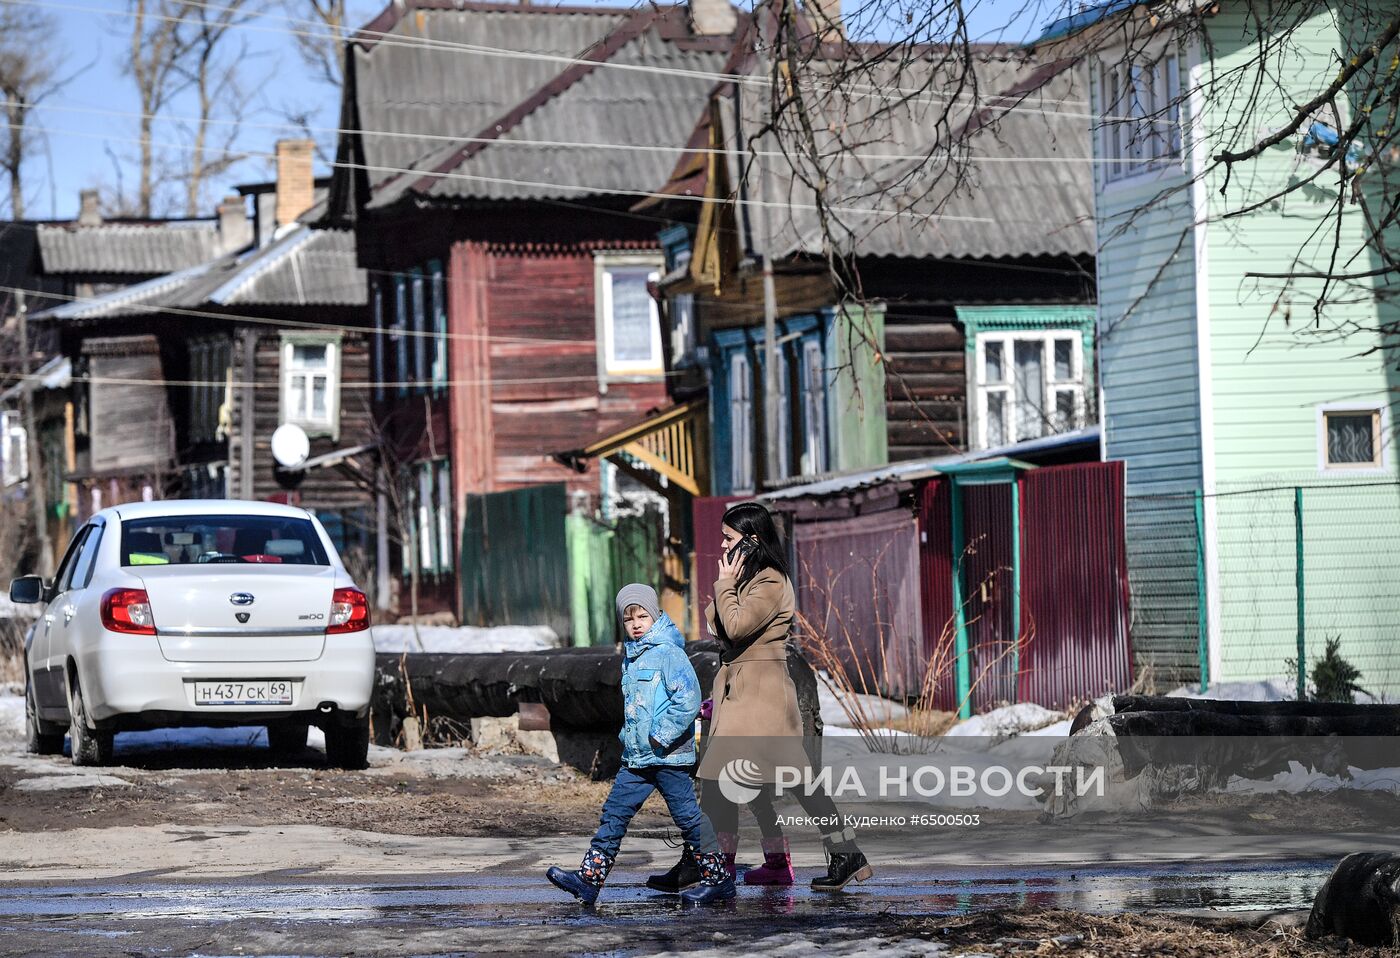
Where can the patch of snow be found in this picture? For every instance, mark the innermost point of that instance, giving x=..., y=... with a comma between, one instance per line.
x=439, y=638
x=1058, y=728
x=1299, y=779
x=11, y=715
x=871, y=708
x=1266, y=690
x=54, y=783
x=1008, y=721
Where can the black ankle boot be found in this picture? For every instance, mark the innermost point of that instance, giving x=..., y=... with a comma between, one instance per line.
x=683, y=874
x=843, y=867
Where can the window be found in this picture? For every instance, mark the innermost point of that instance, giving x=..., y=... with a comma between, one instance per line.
x=209, y=376
x=740, y=423
x=682, y=313
x=628, y=322
x=87, y=558
x=813, y=369
x=219, y=540
x=400, y=339
x=311, y=385
x=1029, y=384
x=420, y=334
x=783, y=434
x=14, y=459
x=1353, y=438
x=428, y=495
x=1139, y=102
x=438, y=312
x=381, y=343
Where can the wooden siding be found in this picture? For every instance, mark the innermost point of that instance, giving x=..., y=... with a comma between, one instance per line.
x=526, y=371
x=1271, y=373
x=130, y=429
x=1148, y=373
x=925, y=387
x=326, y=488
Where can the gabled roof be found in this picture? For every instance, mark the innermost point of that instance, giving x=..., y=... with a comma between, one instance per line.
x=897, y=183
x=141, y=249
x=496, y=75
x=306, y=267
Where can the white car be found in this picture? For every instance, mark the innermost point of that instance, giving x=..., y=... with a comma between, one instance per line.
x=198, y=613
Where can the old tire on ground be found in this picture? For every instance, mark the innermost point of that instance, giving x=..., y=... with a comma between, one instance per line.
x=287, y=738
x=42, y=738
x=1360, y=901
x=89, y=746
x=347, y=745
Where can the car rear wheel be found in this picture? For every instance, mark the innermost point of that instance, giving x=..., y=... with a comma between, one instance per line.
x=89, y=746
x=347, y=746
x=286, y=739
x=42, y=739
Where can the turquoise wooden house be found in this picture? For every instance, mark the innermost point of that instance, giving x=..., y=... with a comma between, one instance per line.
x=1263, y=509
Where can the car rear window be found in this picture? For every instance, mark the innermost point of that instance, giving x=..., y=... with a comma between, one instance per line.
x=201, y=540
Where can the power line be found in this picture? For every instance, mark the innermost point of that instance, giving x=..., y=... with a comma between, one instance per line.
x=505, y=181
x=386, y=38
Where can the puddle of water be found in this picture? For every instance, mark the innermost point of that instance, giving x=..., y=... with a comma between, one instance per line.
x=506, y=900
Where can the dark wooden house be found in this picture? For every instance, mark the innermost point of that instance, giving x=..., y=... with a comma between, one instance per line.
x=180, y=381
x=509, y=281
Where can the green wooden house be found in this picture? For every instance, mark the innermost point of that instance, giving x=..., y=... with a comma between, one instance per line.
x=1263, y=512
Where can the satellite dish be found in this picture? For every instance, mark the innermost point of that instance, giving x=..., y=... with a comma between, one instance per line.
x=290, y=446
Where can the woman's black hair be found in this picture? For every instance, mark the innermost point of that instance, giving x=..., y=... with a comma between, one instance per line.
x=754, y=521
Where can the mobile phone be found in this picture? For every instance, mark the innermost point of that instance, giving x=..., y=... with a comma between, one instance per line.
x=744, y=548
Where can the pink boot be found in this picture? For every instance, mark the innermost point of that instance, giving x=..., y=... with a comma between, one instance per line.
x=777, y=865
x=728, y=847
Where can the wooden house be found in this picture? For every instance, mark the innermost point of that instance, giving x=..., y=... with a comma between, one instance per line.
x=180, y=380
x=509, y=281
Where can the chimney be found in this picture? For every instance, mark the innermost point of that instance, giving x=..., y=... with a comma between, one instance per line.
x=826, y=20
x=712, y=18
x=89, y=208
x=235, y=232
x=296, y=188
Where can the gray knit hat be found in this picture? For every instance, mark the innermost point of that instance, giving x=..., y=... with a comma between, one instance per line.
x=636, y=593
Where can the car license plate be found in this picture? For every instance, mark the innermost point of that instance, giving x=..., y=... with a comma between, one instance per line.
x=262, y=692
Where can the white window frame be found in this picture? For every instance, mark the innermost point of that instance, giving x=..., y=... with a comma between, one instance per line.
x=1137, y=148
x=419, y=317
x=330, y=426
x=13, y=436
x=1380, y=438
x=784, y=430
x=609, y=367
x=1051, y=385
x=741, y=414
x=447, y=553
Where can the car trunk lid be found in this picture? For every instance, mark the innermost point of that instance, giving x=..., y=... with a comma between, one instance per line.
x=240, y=613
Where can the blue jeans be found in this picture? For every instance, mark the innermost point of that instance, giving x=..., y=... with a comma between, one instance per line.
x=631, y=788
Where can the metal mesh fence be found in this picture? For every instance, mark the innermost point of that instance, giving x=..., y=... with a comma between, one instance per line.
x=1272, y=574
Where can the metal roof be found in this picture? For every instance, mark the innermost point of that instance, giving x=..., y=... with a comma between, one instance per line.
x=1026, y=188
x=305, y=267
x=493, y=102
x=945, y=465
x=140, y=249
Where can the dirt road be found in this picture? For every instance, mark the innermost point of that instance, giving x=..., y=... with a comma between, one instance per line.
x=209, y=846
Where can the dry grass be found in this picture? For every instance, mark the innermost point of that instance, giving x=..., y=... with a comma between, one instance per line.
x=924, y=722
x=1139, y=936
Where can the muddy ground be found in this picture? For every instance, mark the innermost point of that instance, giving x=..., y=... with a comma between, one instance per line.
x=220, y=849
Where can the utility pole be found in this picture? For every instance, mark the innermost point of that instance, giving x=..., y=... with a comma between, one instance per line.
x=34, y=458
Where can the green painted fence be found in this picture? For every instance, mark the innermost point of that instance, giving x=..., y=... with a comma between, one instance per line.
x=603, y=556
x=515, y=559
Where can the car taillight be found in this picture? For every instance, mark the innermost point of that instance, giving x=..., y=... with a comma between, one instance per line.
x=128, y=610
x=349, y=611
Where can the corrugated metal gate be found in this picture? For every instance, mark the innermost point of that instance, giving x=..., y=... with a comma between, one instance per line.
x=515, y=559
x=1074, y=584
x=1073, y=599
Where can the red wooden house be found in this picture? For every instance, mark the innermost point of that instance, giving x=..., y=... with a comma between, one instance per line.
x=488, y=158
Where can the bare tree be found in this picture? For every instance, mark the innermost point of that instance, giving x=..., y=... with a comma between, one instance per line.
x=215, y=81
x=158, y=48
x=28, y=74
x=321, y=46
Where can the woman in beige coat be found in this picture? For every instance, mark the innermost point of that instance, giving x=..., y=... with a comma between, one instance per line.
x=755, y=724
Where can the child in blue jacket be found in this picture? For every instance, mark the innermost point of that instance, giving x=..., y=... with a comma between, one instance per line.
x=661, y=698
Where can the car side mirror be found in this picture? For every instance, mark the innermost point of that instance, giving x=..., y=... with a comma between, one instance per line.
x=27, y=590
